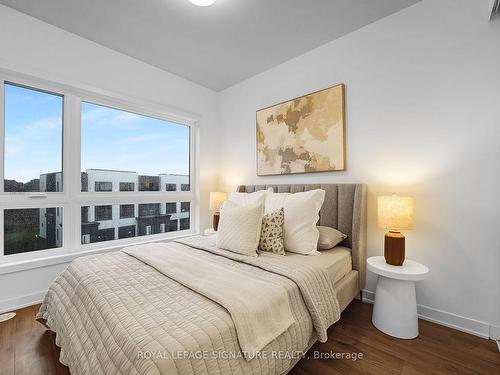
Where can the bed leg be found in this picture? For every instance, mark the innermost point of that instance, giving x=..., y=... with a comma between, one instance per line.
x=361, y=296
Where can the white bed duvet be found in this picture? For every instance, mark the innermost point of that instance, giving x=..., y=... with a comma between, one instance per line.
x=116, y=314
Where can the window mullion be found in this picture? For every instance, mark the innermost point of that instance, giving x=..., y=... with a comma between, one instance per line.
x=72, y=146
x=71, y=162
x=194, y=176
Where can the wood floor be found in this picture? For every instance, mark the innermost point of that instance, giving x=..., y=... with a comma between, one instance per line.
x=27, y=348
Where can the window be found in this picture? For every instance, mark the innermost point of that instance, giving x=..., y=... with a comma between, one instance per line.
x=127, y=186
x=173, y=225
x=105, y=234
x=141, y=159
x=103, y=186
x=151, y=209
x=171, y=187
x=33, y=139
x=84, y=178
x=126, y=231
x=103, y=213
x=171, y=208
x=31, y=229
x=184, y=219
x=184, y=223
x=85, y=214
x=149, y=183
x=127, y=211
x=122, y=144
x=185, y=206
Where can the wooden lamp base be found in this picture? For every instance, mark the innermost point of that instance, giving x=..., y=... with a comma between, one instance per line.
x=394, y=248
x=215, y=220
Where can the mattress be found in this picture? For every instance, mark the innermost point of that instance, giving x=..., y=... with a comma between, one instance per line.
x=336, y=261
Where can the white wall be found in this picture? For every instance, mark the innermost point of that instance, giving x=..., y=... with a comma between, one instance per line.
x=33, y=47
x=423, y=119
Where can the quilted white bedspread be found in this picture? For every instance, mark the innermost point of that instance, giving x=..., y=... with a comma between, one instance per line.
x=258, y=317
x=114, y=314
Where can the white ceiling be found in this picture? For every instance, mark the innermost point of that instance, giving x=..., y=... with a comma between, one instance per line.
x=214, y=46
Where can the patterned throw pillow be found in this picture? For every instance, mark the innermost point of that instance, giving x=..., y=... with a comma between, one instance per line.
x=271, y=235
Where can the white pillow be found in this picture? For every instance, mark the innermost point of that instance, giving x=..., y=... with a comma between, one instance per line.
x=329, y=237
x=301, y=216
x=243, y=199
x=239, y=228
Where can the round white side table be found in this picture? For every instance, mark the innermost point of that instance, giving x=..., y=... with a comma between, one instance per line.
x=395, y=308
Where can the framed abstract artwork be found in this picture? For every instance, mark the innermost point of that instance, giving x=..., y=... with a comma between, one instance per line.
x=303, y=135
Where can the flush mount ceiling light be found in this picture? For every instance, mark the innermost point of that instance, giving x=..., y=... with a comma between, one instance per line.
x=202, y=3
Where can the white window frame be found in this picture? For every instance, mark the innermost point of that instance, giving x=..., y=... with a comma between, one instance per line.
x=72, y=199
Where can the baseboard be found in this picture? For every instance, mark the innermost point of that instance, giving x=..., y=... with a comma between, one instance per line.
x=368, y=297
x=20, y=302
x=495, y=333
x=447, y=319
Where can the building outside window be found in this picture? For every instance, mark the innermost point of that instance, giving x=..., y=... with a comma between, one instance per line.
x=184, y=187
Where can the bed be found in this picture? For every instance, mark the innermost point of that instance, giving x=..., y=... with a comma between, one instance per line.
x=344, y=209
x=156, y=309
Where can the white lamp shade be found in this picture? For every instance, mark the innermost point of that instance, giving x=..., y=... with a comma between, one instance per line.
x=395, y=213
x=216, y=200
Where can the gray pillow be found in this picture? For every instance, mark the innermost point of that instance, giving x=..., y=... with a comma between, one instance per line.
x=329, y=237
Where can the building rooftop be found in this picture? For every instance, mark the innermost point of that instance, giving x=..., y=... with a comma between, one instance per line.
x=109, y=170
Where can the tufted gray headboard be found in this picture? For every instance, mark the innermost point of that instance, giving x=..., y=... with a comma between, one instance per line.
x=344, y=209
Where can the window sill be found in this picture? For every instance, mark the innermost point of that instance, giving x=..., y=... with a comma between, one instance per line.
x=25, y=265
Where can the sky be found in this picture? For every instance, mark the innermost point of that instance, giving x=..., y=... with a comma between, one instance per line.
x=111, y=139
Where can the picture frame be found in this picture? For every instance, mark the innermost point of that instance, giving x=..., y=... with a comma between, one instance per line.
x=302, y=135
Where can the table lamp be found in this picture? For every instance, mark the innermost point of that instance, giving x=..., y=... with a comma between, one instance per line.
x=216, y=200
x=395, y=214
